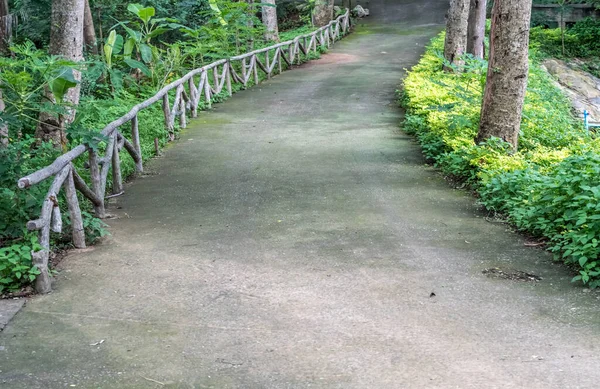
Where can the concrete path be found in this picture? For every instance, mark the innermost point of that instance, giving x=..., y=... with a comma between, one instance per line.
x=293, y=239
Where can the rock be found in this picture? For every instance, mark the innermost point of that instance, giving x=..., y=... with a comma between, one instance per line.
x=337, y=10
x=582, y=88
x=360, y=12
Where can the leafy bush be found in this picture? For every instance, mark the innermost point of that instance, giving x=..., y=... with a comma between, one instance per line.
x=548, y=188
x=15, y=263
x=18, y=206
x=580, y=41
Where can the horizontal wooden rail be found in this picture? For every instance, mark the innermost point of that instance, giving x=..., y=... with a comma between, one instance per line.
x=240, y=69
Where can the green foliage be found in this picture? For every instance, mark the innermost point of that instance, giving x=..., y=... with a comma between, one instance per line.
x=582, y=40
x=23, y=80
x=15, y=263
x=18, y=206
x=548, y=188
x=94, y=227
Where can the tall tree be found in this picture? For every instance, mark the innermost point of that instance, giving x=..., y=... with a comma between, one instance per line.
x=5, y=26
x=269, y=18
x=66, y=40
x=322, y=13
x=89, y=33
x=456, y=32
x=476, y=28
x=507, y=72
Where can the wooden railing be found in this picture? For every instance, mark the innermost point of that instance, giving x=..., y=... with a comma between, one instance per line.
x=188, y=95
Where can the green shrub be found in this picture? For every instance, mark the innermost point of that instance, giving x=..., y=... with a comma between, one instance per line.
x=548, y=188
x=16, y=269
x=562, y=205
x=17, y=160
x=582, y=40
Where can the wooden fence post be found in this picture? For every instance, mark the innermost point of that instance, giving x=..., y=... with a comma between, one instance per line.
x=255, y=68
x=216, y=79
x=77, y=229
x=99, y=209
x=244, y=71
x=207, y=91
x=228, y=75
x=279, y=59
x=267, y=63
x=135, y=137
x=193, y=92
x=166, y=106
x=117, y=179
x=182, y=111
x=40, y=258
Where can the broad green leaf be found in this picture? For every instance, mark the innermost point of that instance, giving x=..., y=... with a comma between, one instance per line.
x=113, y=45
x=146, y=53
x=136, y=35
x=156, y=32
x=135, y=9
x=64, y=81
x=138, y=65
x=128, y=47
x=118, y=45
x=146, y=14
x=108, y=47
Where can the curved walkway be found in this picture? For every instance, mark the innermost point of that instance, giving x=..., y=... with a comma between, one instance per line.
x=293, y=239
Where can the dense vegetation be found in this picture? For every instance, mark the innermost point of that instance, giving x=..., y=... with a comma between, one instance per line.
x=548, y=188
x=144, y=49
x=581, y=41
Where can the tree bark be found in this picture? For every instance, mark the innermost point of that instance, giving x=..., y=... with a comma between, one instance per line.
x=5, y=27
x=456, y=32
x=3, y=126
x=89, y=33
x=476, y=28
x=507, y=72
x=269, y=18
x=323, y=12
x=66, y=40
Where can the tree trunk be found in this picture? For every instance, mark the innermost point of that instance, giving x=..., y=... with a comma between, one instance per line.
x=456, y=32
x=346, y=4
x=89, y=33
x=5, y=27
x=3, y=126
x=507, y=72
x=250, y=23
x=476, y=29
x=269, y=18
x=66, y=40
x=323, y=12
